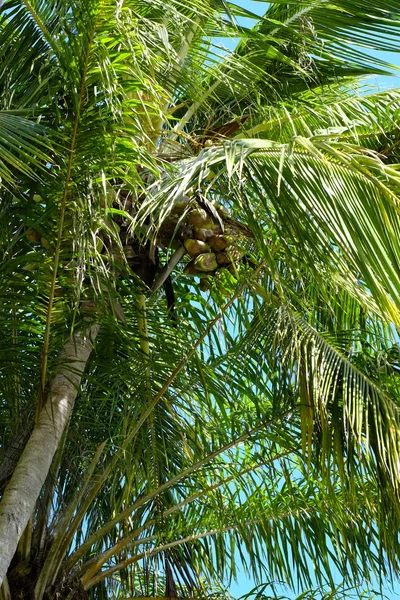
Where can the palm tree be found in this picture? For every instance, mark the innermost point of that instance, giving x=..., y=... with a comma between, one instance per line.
x=254, y=415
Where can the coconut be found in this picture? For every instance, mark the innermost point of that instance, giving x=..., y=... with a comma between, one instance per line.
x=235, y=252
x=201, y=219
x=223, y=258
x=206, y=262
x=203, y=234
x=231, y=254
x=219, y=242
x=191, y=271
x=196, y=247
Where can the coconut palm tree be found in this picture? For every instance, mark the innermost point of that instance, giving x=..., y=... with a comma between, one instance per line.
x=200, y=283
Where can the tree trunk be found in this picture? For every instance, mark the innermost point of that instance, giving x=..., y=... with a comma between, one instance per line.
x=33, y=466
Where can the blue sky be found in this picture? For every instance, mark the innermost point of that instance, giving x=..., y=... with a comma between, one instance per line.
x=381, y=83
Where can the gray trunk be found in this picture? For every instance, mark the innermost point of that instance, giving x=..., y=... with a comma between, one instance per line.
x=33, y=466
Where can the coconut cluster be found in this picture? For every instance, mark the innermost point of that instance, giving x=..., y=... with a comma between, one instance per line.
x=208, y=235
x=203, y=228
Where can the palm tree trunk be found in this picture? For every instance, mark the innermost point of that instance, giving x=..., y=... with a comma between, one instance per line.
x=33, y=466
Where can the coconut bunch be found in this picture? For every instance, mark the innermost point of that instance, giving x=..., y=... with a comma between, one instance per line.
x=202, y=230
x=210, y=247
x=208, y=234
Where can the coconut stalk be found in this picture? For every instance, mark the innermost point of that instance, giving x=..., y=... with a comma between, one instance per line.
x=168, y=268
x=28, y=478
